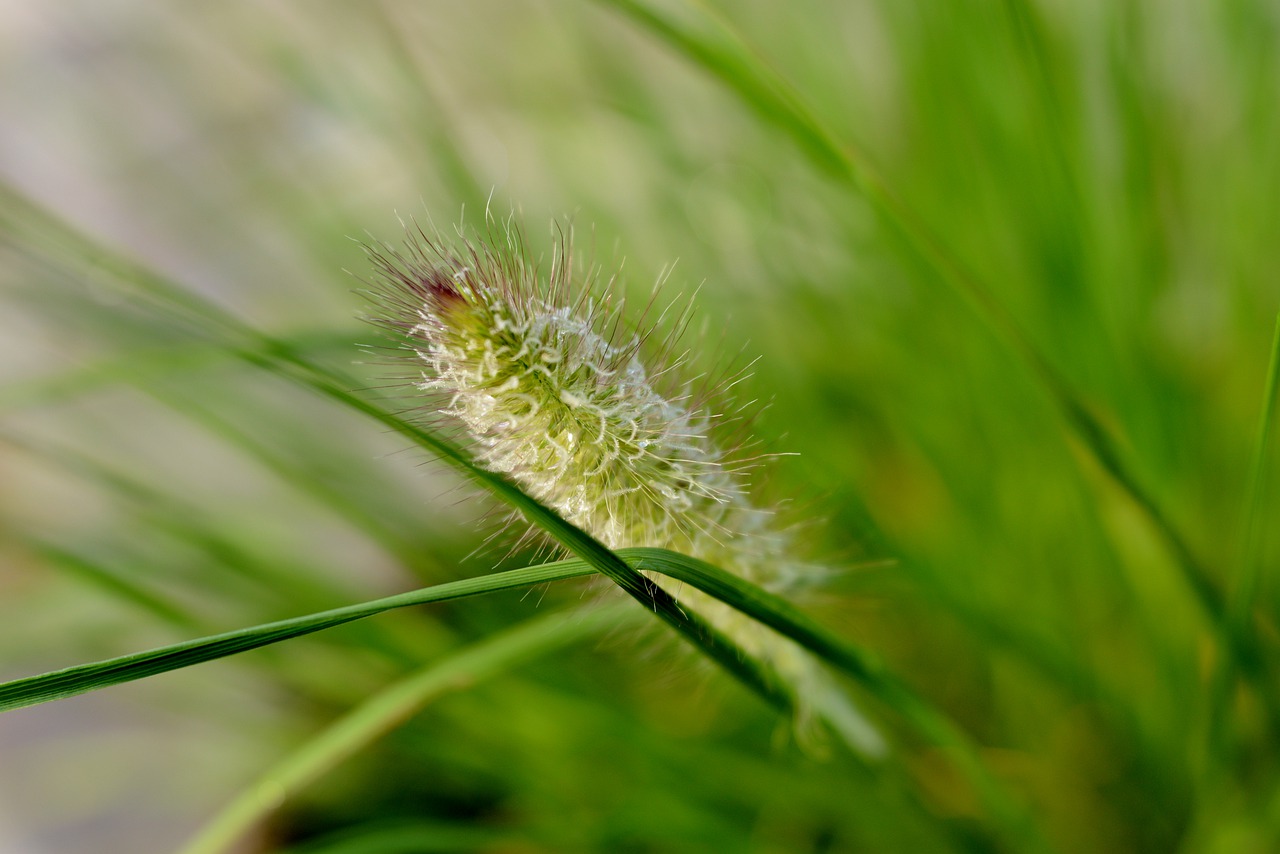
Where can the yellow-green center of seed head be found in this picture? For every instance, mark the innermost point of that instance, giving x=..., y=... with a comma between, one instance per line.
x=575, y=420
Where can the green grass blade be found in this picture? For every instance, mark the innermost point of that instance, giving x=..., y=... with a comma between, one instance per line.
x=392, y=706
x=303, y=479
x=59, y=684
x=130, y=366
x=83, y=678
x=420, y=837
x=730, y=60
x=1249, y=565
x=1249, y=575
x=110, y=580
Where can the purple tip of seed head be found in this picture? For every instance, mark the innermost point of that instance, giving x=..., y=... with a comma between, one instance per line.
x=438, y=287
x=433, y=282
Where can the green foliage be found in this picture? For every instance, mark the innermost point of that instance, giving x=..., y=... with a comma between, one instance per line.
x=1010, y=269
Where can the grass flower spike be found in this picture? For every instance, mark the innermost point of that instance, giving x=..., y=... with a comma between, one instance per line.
x=552, y=386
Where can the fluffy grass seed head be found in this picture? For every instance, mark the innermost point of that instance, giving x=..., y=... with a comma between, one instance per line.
x=553, y=389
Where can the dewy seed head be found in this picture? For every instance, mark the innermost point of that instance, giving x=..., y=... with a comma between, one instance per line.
x=567, y=411
x=555, y=397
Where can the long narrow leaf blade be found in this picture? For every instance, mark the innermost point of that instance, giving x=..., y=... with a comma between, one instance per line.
x=82, y=678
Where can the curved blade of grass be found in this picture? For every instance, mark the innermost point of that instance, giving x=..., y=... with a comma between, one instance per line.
x=304, y=479
x=390, y=707
x=763, y=606
x=1250, y=572
x=1249, y=567
x=420, y=837
x=59, y=684
x=719, y=50
x=44, y=390
x=138, y=367
x=79, y=679
x=108, y=579
x=175, y=516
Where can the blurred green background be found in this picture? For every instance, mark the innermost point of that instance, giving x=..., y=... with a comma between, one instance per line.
x=1107, y=172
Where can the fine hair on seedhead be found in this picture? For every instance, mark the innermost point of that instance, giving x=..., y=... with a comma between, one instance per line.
x=536, y=368
x=418, y=278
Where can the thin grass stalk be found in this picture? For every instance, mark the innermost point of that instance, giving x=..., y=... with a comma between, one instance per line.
x=1249, y=574
x=110, y=580
x=82, y=678
x=1249, y=565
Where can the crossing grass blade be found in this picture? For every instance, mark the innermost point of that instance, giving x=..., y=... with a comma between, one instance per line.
x=1250, y=570
x=79, y=679
x=1249, y=565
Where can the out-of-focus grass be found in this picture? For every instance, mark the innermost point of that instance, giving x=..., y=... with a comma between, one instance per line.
x=1110, y=175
